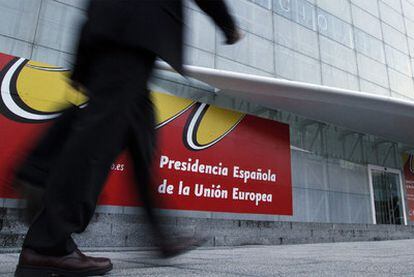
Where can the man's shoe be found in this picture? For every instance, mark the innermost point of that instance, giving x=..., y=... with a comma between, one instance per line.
x=33, y=264
x=179, y=246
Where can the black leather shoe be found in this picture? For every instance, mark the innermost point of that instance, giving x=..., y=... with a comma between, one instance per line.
x=33, y=264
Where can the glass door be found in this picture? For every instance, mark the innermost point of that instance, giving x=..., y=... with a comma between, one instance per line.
x=386, y=196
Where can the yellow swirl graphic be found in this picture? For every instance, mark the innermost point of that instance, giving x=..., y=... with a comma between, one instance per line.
x=208, y=125
x=168, y=107
x=46, y=89
x=215, y=123
x=35, y=92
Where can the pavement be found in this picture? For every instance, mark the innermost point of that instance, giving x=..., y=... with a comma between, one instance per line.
x=382, y=258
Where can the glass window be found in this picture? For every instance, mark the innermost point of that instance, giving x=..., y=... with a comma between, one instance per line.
x=194, y=56
x=398, y=60
x=15, y=47
x=411, y=46
x=52, y=57
x=360, y=208
x=334, y=28
x=59, y=26
x=296, y=37
x=367, y=86
x=338, y=55
x=401, y=83
x=339, y=8
x=299, y=11
x=334, y=77
x=372, y=70
x=261, y=53
x=338, y=208
x=395, y=38
x=400, y=96
x=200, y=31
x=303, y=13
x=410, y=27
x=295, y=66
x=370, y=6
x=238, y=52
x=264, y=3
x=391, y=17
x=408, y=9
x=370, y=46
x=319, y=201
x=225, y=64
x=394, y=4
x=18, y=18
x=253, y=18
x=81, y=4
x=328, y=190
x=283, y=8
x=348, y=177
x=252, y=50
x=366, y=22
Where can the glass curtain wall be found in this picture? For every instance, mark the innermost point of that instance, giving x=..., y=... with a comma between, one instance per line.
x=329, y=164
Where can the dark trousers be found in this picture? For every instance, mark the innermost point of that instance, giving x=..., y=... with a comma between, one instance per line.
x=119, y=115
x=40, y=160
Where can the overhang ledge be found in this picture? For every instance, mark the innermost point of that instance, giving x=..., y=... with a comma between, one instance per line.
x=383, y=116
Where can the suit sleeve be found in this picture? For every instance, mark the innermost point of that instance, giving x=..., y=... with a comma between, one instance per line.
x=219, y=12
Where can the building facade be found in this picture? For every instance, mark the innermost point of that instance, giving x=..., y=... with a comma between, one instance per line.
x=338, y=175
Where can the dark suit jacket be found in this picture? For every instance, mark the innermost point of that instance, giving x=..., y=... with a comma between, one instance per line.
x=155, y=25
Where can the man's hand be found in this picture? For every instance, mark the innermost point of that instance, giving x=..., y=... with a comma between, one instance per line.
x=235, y=36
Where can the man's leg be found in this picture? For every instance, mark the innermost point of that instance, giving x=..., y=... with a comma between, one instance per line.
x=97, y=138
x=31, y=175
x=36, y=166
x=142, y=144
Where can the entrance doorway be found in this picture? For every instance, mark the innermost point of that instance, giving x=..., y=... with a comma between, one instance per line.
x=388, y=206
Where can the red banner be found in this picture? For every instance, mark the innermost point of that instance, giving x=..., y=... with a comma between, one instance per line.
x=209, y=159
x=409, y=184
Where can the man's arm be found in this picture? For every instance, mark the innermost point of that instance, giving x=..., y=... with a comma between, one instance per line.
x=218, y=11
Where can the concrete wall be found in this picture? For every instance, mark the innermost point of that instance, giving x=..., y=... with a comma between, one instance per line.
x=108, y=230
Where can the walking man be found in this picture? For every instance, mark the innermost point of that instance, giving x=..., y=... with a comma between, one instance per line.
x=117, y=49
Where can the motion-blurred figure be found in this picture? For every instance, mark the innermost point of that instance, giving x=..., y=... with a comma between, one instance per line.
x=117, y=49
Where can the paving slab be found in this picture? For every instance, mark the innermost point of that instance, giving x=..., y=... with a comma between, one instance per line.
x=382, y=258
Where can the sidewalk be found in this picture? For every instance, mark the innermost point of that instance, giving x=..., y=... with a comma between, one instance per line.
x=385, y=258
